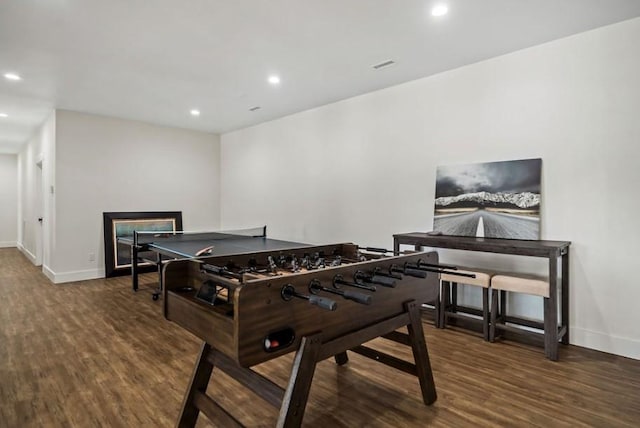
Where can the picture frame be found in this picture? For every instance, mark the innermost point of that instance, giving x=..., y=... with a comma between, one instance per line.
x=490, y=199
x=117, y=255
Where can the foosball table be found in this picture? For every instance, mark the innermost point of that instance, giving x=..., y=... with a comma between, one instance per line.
x=319, y=301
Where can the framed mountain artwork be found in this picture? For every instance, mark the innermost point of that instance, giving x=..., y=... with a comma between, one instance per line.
x=117, y=255
x=492, y=199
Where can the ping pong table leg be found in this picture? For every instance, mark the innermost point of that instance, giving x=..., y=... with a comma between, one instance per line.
x=156, y=294
x=134, y=267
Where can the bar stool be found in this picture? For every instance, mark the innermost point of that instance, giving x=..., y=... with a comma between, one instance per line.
x=449, y=297
x=432, y=310
x=516, y=283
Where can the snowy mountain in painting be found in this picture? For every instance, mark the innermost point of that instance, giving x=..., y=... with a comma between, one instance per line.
x=521, y=200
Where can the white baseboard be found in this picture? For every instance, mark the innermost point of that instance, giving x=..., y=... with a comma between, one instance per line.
x=78, y=275
x=8, y=244
x=622, y=346
x=49, y=273
x=60, y=278
x=28, y=254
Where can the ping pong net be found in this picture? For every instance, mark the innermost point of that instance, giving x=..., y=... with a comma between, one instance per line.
x=161, y=238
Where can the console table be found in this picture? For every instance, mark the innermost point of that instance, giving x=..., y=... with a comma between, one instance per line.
x=552, y=250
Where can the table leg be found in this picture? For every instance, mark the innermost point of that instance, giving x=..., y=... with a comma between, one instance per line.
x=160, y=284
x=551, y=313
x=134, y=267
x=341, y=358
x=297, y=393
x=565, y=296
x=199, y=382
x=421, y=354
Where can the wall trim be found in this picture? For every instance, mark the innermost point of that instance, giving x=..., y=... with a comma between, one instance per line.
x=617, y=345
x=28, y=254
x=48, y=273
x=8, y=244
x=72, y=276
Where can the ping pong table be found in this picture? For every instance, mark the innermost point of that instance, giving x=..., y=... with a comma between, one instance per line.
x=157, y=247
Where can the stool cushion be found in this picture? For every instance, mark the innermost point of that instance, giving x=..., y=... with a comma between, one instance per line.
x=482, y=279
x=521, y=283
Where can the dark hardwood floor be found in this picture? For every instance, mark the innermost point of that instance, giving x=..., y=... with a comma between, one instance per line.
x=93, y=353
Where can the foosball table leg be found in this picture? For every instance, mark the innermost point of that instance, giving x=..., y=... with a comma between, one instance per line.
x=198, y=384
x=297, y=392
x=420, y=353
x=341, y=358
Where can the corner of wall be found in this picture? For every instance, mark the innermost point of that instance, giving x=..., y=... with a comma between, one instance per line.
x=28, y=254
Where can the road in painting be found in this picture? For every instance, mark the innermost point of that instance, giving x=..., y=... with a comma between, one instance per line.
x=488, y=224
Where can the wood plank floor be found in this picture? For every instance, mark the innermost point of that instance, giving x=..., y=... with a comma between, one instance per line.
x=93, y=353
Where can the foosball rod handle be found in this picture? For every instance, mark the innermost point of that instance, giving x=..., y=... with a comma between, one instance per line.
x=374, y=278
x=361, y=298
x=315, y=286
x=323, y=302
x=408, y=271
x=385, y=281
x=388, y=274
x=339, y=281
x=288, y=292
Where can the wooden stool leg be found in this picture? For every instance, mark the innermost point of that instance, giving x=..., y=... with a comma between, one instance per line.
x=199, y=381
x=444, y=303
x=421, y=354
x=454, y=297
x=494, y=315
x=297, y=393
x=436, y=307
x=485, y=313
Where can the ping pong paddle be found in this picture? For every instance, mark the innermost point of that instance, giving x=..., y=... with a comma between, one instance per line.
x=205, y=251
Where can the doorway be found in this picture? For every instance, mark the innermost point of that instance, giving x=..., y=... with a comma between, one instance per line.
x=38, y=209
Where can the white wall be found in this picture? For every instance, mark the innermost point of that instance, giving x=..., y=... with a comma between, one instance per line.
x=8, y=200
x=106, y=164
x=33, y=199
x=364, y=168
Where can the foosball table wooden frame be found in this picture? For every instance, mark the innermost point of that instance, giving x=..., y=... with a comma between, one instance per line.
x=267, y=308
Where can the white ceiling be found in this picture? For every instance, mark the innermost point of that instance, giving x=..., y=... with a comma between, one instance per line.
x=154, y=60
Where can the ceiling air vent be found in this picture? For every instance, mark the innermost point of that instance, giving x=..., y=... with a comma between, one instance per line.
x=254, y=108
x=383, y=64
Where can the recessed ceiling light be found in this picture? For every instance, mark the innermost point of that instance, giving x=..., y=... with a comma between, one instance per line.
x=3, y=115
x=12, y=76
x=195, y=112
x=439, y=10
x=274, y=80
